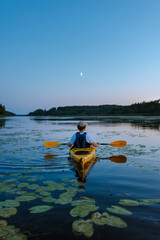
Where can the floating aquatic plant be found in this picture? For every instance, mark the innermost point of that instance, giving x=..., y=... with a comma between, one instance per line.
x=82, y=202
x=55, y=186
x=10, y=180
x=22, y=185
x=105, y=218
x=3, y=223
x=129, y=202
x=48, y=199
x=44, y=193
x=9, y=232
x=83, y=227
x=83, y=210
x=7, y=212
x=64, y=199
x=119, y=210
x=26, y=198
x=10, y=203
x=40, y=208
x=149, y=201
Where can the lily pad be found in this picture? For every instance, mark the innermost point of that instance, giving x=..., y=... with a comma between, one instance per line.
x=149, y=201
x=63, y=200
x=83, y=227
x=7, y=212
x=105, y=218
x=83, y=211
x=119, y=210
x=9, y=232
x=26, y=198
x=3, y=223
x=40, y=208
x=129, y=202
x=10, y=203
x=83, y=202
x=48, y=199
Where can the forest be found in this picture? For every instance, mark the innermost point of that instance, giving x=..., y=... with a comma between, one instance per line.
x=144, y=108
x=2, y=110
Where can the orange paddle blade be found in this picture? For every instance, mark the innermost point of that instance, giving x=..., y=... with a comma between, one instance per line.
x=51, y=144
x=118, y=144
x=118, y=159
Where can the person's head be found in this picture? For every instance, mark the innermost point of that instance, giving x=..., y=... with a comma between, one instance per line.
x=81, y=126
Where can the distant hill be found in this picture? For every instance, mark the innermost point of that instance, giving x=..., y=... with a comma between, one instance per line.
x=144, y=108
x=3, y=111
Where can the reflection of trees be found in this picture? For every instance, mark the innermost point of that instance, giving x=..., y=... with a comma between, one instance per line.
x=2, y=123
x=144, y=125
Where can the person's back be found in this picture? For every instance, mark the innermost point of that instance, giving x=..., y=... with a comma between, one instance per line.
x=82, y=139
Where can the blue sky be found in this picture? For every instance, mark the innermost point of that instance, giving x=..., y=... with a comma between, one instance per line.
x=45, y=45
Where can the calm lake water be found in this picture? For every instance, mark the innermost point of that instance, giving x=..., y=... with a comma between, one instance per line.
x=118, y=199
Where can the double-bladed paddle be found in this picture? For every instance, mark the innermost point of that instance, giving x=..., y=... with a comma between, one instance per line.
x=119, y=144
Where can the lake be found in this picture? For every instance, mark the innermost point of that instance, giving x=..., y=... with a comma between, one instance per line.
x=43, y=195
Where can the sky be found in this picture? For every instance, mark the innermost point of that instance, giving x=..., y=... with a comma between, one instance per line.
x=78, y=52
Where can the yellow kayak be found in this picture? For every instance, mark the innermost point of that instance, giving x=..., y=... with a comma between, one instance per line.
x=82, y=155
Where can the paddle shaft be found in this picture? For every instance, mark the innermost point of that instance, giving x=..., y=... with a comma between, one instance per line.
x=120, y=143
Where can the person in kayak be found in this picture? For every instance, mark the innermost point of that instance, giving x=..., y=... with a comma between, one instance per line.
x=82, y=139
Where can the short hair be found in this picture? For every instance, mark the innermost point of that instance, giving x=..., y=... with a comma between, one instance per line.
x=81, y=125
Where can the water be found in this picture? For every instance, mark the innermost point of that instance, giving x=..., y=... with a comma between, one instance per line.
x=33, y=176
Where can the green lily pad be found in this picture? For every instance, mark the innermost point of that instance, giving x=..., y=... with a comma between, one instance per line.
x=3, y=223
x=119, y=210
x=63, y=200
x=83, y=211
x=83, y=227
x=105, y=218
x=66, y=179
x=76, y=203
x=48, y=199
x=18, y=236
x=26, y=198
x=9, y=232
x=22, y=185
x=44, y=193
x=11, y=180
x=54, y=185
x=129, y=202
x=149, y=201
x=7, y=212
x=10, y=203
x=40, y=209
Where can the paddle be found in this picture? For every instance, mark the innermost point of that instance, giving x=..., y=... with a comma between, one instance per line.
x=119, y=144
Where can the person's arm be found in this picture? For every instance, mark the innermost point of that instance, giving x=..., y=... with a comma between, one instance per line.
x=91, y=140
x=95, y=144
x=72, y=141
x=69, y=144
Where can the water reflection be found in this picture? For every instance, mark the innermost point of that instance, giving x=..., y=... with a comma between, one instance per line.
x=82, y=172
x=116, y=159
x=149, y=125
x=151, y=122
x=2, y=123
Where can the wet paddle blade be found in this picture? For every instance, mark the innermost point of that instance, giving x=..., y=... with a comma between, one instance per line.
x=118, y=144
x=51, y=144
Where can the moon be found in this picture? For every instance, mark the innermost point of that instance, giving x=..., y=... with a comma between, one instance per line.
x=81, y=74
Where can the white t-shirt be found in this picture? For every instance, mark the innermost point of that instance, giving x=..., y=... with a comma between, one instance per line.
x=89, y=139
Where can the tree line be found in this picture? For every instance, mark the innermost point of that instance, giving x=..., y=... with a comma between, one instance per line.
x=144, y=108
x=2, y=110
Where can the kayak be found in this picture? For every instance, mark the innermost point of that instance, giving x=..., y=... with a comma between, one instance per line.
x=82, y=155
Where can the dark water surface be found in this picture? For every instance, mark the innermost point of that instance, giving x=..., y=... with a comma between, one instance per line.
x=31, y=175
